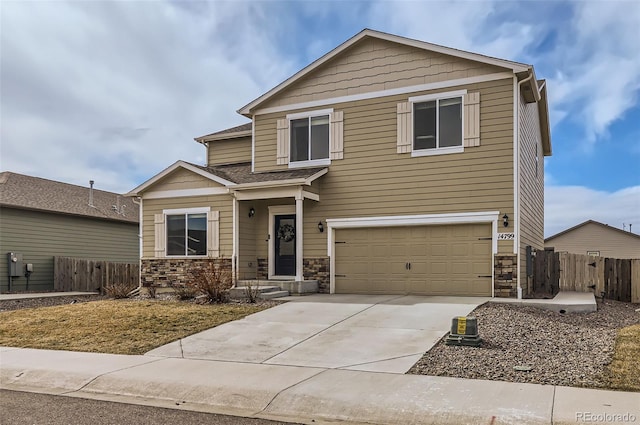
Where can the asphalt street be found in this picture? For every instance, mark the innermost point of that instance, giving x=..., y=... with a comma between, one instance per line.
x=21, y=408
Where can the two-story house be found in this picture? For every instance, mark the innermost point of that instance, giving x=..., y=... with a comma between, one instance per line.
x=389, y=165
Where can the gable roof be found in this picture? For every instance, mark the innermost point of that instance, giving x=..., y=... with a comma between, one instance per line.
x=243, y=130
x=35, y=193
x=606, y=226
x=516, y=67
x=238, y=176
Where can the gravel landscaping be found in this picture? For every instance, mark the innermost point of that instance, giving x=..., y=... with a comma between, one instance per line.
x=571, y=349
x=7, y=305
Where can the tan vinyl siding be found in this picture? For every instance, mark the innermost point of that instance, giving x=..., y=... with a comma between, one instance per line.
x=39, y=236
x=230, y=151
x=221, y=203
x=531, y=181
x=183, y=179
x=374, y=180
x=594, y=237
x=247, y=264
x=373, y=65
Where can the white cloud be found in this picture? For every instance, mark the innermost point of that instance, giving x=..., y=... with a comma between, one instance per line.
x=566, y=206
x=472, y=26
x=116, y=91
x=597, y=65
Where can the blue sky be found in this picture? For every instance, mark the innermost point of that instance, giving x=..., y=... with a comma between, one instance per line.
x=116, y=91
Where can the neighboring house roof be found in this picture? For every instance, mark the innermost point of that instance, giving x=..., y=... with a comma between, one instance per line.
x=243, y=130
x=35, y=193
x=238, y=176
x=614, y=229
x=516, y=67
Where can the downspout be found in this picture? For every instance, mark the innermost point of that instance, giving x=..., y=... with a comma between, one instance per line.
x=516, y=166
x=140, y=246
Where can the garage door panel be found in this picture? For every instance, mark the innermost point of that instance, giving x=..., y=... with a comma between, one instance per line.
x=445, y=260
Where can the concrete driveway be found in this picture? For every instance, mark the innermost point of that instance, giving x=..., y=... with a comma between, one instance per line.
x=378, y=333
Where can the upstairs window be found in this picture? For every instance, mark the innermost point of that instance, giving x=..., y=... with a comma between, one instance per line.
x=437, y=124
x=309, y=138
x=186, y=234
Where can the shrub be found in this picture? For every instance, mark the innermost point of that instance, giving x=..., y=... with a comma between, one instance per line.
x=119, y=289
x=213, y=280
x=251, y=292
x=184, y=292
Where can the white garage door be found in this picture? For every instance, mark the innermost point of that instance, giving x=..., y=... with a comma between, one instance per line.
x=423, y=260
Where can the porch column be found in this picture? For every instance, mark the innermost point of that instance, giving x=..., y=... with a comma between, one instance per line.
x=235, y=240
x=299, y=239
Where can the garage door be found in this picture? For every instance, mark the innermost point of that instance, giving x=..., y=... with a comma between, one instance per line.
x=422, y=260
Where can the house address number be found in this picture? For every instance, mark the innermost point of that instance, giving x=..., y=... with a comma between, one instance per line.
x=506, y=236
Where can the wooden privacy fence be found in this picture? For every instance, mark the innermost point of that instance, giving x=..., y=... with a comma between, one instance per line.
x=611, y=278
x=79, y=274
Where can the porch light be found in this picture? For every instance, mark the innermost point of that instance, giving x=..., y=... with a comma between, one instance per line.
x=320, y=227
x=505, y=220
x=252, y=212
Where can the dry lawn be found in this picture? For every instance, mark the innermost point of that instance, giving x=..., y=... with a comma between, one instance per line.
x=625, y=367
x=114, y=326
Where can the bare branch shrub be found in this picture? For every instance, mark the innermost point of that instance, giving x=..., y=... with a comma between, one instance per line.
x=184, y=292
x=119, y=289
x=251, y=292
x=213, y=280
x=151, y=291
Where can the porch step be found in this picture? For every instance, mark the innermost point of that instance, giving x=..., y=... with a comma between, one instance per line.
x=273, y=294
x=293, y=286
x=240, y=291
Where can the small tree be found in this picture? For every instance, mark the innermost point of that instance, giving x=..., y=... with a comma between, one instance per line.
x=213, y=280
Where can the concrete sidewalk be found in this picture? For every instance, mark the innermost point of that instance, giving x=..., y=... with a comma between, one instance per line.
x=306, y=394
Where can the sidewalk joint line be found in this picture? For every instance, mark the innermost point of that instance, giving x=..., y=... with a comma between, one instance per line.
x=382, y=360
x=329, y=327
x=108, y=373
x=286, y=389
x=553, y=403
x=181, y=350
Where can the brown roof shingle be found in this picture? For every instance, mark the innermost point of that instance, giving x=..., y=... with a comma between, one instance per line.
x=218, y=134
x=35, y=193
x=241, y=173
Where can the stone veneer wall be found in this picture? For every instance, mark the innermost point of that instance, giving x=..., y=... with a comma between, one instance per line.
x=164, y=272
x=318, y=269
x=263, y=268
x=505, y=276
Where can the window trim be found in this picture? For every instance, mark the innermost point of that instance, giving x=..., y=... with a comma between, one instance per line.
x=428, y=98
x=185, y=212
x=310, y=114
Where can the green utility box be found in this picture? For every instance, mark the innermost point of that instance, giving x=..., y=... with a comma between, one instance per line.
x=464, y=331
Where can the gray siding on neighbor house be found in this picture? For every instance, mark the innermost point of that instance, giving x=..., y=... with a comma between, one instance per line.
x=39, y=236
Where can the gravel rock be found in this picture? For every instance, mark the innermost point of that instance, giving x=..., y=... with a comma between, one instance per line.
x=6, y=305
x=571, y=349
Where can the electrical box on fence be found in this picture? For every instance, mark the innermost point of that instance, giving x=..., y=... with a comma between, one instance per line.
x=464, y=331
x=15, y=266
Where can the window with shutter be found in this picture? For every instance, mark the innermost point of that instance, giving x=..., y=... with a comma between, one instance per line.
x=472, y=119
x=187, y=232
x=213, y=234
x=282, y=155
x=314, y=138
x=336, y=135
x=159, y=235
x=439, y=123
x=404, y=127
